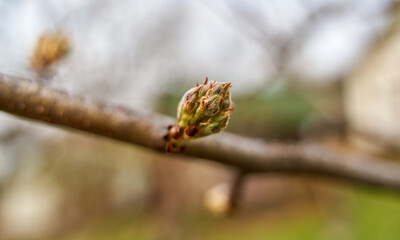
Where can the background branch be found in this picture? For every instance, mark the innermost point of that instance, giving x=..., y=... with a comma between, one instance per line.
x=31, y=100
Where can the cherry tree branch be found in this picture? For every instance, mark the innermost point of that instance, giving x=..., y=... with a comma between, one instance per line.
x=31, y=100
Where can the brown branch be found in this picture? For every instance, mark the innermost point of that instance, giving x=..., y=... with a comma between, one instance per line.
x=31, y=100
x=236, y=191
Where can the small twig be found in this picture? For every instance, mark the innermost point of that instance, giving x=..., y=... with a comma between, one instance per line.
x=236, y=191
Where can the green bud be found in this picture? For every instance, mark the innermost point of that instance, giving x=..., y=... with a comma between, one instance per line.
x=202, y=111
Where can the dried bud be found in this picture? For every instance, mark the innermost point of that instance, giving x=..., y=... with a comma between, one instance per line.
x=50, y=48
x=203, y=110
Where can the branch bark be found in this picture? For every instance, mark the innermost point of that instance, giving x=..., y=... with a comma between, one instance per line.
x=31, y=100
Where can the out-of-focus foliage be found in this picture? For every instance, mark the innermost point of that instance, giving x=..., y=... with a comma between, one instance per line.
x=365, y=215
x=279, y=112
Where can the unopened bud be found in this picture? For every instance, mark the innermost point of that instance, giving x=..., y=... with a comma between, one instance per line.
x=202, y=111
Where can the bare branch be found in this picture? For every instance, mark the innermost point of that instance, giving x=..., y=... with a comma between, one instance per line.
x=31, y=100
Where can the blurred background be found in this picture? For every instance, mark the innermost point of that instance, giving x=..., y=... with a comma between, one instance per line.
x=325, y=70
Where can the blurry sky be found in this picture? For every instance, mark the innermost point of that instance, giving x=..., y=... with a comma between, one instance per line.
x=124, y=49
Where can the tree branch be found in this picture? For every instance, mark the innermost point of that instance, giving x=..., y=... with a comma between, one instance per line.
x=31, y=100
